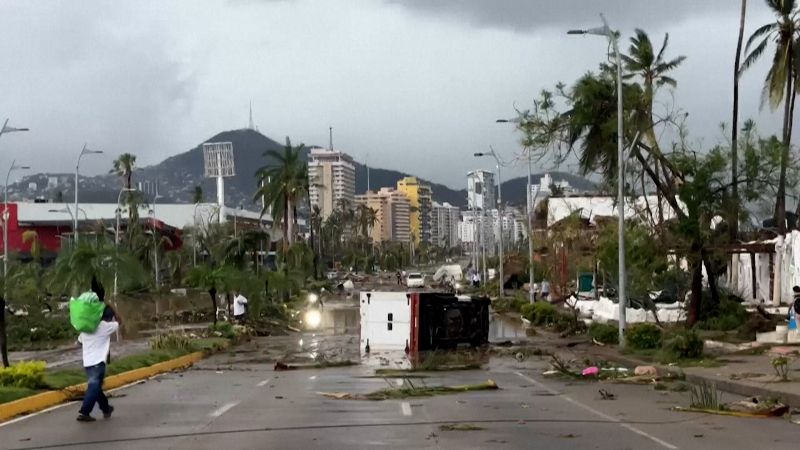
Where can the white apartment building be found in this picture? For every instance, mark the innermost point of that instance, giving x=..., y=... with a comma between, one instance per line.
x=445, y=225
x=333, y=177
x=544, y=188
x=469, y=231
x=481, y=190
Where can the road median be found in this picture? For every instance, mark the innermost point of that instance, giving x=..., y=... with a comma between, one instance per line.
x=47, y=399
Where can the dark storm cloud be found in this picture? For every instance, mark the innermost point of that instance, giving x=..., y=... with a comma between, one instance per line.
x=530, y=15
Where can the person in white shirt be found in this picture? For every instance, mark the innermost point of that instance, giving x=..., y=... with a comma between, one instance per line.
x=239, y=306
x=96, y=347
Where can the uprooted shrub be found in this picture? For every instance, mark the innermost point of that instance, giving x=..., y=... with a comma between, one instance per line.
x=26, y=374
x=643, y=336
x=223, y=329
x=686, y=345
x=604, y=333
x=540, y=313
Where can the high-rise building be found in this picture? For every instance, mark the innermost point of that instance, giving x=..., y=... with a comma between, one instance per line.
x=481, y=189
x=332, y=177
x=545, y=187
x=393, y=214
x=421, y=199
x=469, y=231
x=444, y=225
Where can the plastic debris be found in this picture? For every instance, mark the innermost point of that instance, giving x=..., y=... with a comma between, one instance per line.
x=590, y=371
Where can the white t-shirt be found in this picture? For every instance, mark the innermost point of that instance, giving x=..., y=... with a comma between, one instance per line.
x=238, y=305
x=96, y=345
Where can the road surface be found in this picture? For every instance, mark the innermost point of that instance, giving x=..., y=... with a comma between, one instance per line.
x=222, y=404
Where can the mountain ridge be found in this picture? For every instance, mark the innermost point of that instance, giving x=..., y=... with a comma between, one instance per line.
x=177, y=175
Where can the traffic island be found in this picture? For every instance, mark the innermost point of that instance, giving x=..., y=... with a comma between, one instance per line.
x=68, y=385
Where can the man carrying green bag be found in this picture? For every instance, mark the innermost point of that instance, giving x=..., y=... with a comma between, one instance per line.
x=96, y=321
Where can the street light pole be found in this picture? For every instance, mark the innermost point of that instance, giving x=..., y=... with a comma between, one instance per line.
x=4, y=130
x=116, y=232
x=84, y=151
x=530, y=195
x=6, y=216
x=155, y=239
x=605, y=30
x=500, y=214
x=474, y=225
x=194, y=233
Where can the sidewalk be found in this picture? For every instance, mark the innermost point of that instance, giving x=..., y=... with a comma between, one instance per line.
x=745, y=375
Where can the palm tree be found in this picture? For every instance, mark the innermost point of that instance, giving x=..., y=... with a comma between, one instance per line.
x=210, y=279
x=316, y=226
x=32, y=237
x=123, y=168
x=197, y=195
x=652, y=69
x=74, y=268
x=779, y=85
x=283, y=185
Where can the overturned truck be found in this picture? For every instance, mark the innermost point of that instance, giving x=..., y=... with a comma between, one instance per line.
x=422, y=321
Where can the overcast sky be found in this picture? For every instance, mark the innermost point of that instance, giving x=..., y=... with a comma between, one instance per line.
x=414, y=84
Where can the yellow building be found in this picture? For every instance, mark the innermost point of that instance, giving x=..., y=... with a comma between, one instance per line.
x=420, y=197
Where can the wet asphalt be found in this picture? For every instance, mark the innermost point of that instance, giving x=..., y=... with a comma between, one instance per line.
x=236, y=400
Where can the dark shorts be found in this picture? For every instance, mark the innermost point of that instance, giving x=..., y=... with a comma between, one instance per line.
x=240, y=317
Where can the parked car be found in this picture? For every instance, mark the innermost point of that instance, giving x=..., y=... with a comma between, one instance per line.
x=415, y=280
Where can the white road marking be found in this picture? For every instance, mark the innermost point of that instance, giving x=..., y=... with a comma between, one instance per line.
x=224, y=409
x=406, y=408
x=600, y=414
x=53, y=408
x=263, y=383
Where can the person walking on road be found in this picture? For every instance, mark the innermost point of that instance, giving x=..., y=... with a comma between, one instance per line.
x=239, y=306
x=545, y=290
x=96, y=347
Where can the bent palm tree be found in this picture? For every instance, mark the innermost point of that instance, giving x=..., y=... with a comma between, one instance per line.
x=123, y=168
x=197, y=195
x=779, y=85
x=644, y=63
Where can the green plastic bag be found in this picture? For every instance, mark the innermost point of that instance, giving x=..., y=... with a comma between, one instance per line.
x=86, y=311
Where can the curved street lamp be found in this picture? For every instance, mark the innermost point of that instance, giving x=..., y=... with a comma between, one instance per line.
x=13, y=167
x=84, y=151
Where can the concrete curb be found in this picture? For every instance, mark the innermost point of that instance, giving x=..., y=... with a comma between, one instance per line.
x=729, y=386
x=45, y=400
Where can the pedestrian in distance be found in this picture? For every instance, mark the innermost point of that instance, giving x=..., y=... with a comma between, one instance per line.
x=96, y=348
x=545, y=290
x=239, y=306
x=796, y=305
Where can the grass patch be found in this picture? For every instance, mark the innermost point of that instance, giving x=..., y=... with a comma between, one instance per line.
x=61, y=379
x=9, y=394
x=666, y=357
x=665, y=387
